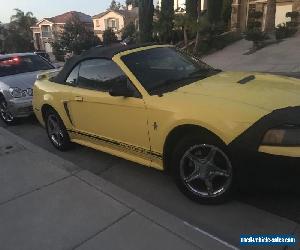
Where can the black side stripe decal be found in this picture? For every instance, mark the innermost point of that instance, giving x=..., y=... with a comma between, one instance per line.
x=116, y=143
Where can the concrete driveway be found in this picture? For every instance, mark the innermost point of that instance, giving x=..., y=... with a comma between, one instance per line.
x=281, y=57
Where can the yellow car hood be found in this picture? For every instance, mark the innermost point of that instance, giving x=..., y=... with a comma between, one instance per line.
x=265, y=91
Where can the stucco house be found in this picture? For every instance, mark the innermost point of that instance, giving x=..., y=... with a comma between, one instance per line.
x=179, y=5
x=115, y=20
x=44, y=31
x=241, y=8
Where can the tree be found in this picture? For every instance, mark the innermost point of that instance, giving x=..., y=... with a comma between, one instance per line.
x=182, y=22
x=166, y=20
x=146, y=11
x=198, y=22
x=226, y=11
x=109, y=37
x=129, y=30
x=135, y=3
x=2, y=31
x=75, y=38
x=214, y=10
x=19, y=35
x=115, y=5
x=270, y=18
x=2, y=37
x=191, y=8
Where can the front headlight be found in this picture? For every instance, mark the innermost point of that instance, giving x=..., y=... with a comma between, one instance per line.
x=17, y=92
x=288, y=135
x=29, y=92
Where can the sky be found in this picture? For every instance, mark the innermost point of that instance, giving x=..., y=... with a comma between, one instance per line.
x=50, y=8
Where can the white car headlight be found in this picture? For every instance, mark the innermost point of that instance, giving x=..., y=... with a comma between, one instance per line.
x=17, y=92
x=288, y=135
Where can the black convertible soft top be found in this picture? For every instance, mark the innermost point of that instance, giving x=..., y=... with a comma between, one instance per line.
x=107, y=52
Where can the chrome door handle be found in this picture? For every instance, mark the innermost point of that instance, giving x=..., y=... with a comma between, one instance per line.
x=78, y=98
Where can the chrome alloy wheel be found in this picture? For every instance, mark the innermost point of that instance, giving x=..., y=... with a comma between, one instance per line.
x=5, y=114
x=54, y=130
x=206, y=171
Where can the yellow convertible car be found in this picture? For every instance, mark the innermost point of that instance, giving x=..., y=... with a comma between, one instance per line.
x=156, y=106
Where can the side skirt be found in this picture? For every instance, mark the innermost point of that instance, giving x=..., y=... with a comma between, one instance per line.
x=123, y=150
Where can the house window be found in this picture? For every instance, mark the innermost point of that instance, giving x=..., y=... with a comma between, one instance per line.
x=46, y=31
x=97, y=23
x=112, y=23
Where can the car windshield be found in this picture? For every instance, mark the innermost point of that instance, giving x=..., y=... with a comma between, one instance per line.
x=22, y=64
x=165, y=69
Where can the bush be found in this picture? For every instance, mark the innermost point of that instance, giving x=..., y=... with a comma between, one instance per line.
x=177, y=36
x=109, y=37
x=293, y=14
x=254, y=24
x=217, y=42
x=291, y=24
x=255, y=14
x=255, y=35
x=284, y=31
x=292, y=31
x=223, y=40
x=281, y=31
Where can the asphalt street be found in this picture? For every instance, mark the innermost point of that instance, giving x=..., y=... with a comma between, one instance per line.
x=157, y=187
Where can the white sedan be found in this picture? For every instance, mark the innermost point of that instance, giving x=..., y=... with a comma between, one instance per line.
x=18, y=73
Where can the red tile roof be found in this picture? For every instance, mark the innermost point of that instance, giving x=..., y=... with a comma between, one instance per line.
x=63, y=18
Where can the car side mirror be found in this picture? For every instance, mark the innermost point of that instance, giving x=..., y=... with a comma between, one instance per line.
x=121, y=89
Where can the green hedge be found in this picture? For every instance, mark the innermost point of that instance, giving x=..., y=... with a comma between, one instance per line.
x=255, y=24
x=255, y=14
x=284, y=31
x=255, y=35
x=292, y=14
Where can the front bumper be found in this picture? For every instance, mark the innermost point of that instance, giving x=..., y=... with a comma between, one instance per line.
x=21, y=107
x=267, y=170
x=281, y=151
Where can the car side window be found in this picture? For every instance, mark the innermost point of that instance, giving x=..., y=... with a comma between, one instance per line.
x=100, y=74
x=73, y=76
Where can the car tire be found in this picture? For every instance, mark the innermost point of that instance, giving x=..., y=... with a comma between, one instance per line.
x=5, y=116
x=56, y=131
x=202, y=169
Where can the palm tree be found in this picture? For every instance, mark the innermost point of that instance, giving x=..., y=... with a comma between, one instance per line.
x=23, y=20
x=270, y=18
x=19, y=35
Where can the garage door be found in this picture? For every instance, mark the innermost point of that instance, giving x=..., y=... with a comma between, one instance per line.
x=281, y=11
